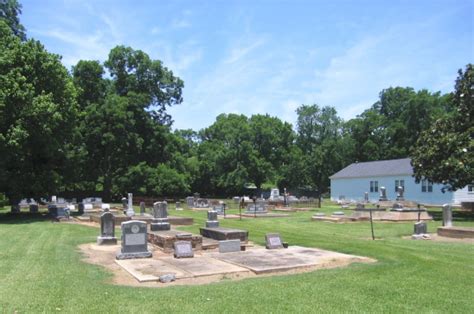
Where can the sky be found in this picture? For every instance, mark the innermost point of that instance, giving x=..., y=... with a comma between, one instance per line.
x=269, y=57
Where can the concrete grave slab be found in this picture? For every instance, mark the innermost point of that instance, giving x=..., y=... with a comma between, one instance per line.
x=204, y=265
x=151, y=269
x=267, y=261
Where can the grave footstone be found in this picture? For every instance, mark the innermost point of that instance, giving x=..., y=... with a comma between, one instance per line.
x=273, y=241
x=212, y=221
x=227, y=246
x=134, y=240
x=107, y=229
x=160, y=220
x=447, y=216
x=183, y=249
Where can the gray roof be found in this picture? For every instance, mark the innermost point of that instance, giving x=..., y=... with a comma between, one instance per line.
x=377, y=168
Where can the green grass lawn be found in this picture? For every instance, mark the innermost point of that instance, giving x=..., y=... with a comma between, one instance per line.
x=41, y=271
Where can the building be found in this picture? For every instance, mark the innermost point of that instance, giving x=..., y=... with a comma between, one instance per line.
x=353, y=181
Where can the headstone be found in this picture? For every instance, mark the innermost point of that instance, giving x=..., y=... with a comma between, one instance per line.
x=383, y=194
x=33, y=208
x=360, y=206
x=259, y=207
x=190, y=201
x=447, y=216
x=134, y=240
x=88, y=207
x=142, y=208
x=71, y=207
x=107, y=229
x=201, y=203
x=80, y=208
x=273, y=241
x=178, y=206
x=212, y=221
x=124, y=204
x=130, y=211
x=53, y=199
x=227, y=246
x=219, y=208
x=366, y=197
x=160, y=220
x=105, y=207
x=397, y=206
x=236, y=199
x=183, y=249
x=420, y=228
x=400, y=196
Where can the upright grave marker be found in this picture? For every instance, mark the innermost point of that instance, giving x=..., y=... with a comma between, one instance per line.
x=107, y=229
x=160, y=220
x=183, y=249
x=273, y=241
x=447, y=216
x=212, y=221
x=134, y=240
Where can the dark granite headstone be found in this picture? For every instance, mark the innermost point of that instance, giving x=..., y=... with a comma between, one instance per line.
x=142, y=208
x=160, y=220
x=273, y=241
x=134, y=240
x=80, y=208
x=183, y=249
x=107, y=229
x=420, y=228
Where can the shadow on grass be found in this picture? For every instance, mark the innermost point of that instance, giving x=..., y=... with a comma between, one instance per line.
x=457, y=215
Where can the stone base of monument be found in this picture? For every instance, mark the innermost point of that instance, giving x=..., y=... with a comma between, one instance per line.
x=119, y=218
x=389, y=204
x=212, y=224
x=121, y=256
x=173, y=220
x=160, y=226
x=456, y=232
x=165, y=239
x=224, y=234
x=106, y=240
x=394, y=216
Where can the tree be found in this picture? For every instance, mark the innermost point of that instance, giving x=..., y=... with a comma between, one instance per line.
x=134, y=72
x=89, y=82
x=9, y=12
x=37, y=118
x=444, y=152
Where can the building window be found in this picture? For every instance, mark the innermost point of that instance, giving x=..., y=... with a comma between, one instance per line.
x=426, y=186
x=470, y=188
x=399, y=183
x=374, y=186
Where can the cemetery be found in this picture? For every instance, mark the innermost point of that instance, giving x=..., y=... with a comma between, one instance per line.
x=268, y=157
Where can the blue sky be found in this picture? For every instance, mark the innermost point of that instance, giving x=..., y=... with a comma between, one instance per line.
x=269, y=56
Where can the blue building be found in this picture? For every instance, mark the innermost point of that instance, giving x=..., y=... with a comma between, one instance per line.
x=357, y=178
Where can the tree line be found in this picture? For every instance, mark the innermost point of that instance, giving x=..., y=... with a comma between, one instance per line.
x=85, y=131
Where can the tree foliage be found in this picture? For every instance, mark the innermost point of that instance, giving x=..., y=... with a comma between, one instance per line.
x=9, y=13
x=444, y=152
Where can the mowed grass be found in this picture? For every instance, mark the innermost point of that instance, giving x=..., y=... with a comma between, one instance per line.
x=42, y=271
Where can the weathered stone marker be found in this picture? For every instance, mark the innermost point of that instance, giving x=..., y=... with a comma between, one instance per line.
x=160, y=220
x=130, y=211
x=420, y=228
x=366, y=197
x=80, y=208
x=107, y=229
x=212, y=221
x=227, y=246
x=142, y=208
x=447, y=216
x=183, y=249
x=134, y=240
x=383, y=194
x=190, y=201
x=33, y=208
x=400, y=191
x=273, y=241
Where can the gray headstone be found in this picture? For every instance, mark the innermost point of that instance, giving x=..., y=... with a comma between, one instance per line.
x=124, y=203
x=130, y=211
x=107, y=229
x=183, y=249
x=400, y=196
x=227, y=246
x=178, y=205
x=212, y=221
x=142, y=208
x=360, y=206
x=219, y=208
x=366, y=197
x=134, y=240
x=160, y=221
x=420, y=228
x=273, y=241
x=447, y=216
x=190, y=201
x=383, y=194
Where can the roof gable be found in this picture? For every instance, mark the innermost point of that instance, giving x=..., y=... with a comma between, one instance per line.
x=376, y=168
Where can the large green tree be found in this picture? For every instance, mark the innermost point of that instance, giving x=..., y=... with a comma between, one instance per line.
x=37, y=117
x=9, y=13
x=444, y=153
